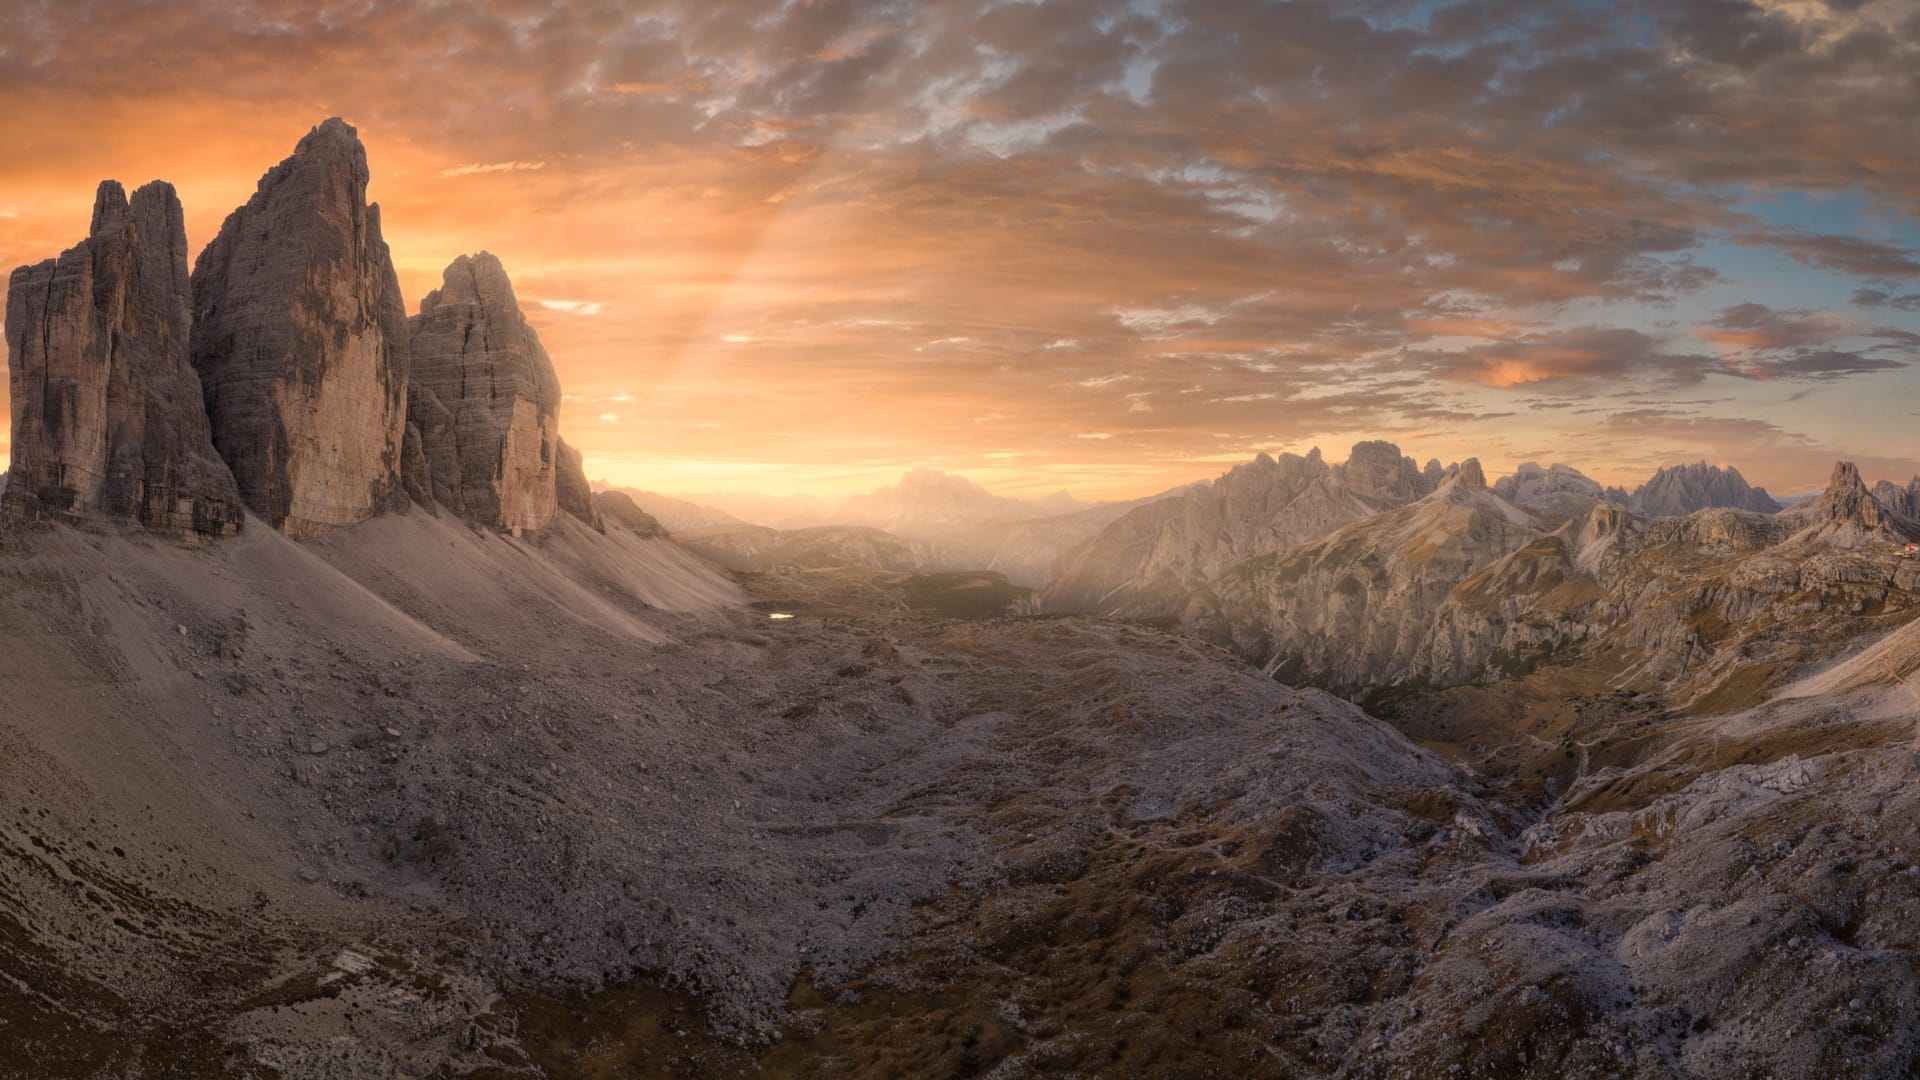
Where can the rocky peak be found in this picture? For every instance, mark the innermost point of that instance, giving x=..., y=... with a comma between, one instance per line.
x=483, y=401
x=1904, y=501
x=1471, y=477
x=1376, y=471
x=300, y=340
x=1558, y=488
x=1846, y=515
x=106, y=408
x=1682, y=489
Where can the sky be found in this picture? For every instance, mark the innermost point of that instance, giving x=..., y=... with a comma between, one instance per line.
x=1107, y=246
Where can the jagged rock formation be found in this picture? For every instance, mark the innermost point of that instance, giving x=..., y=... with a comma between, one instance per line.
x=571, y=490
x=483, y=400
x=300, y=339
x=1154, y=560
x=1904, y=501
x=1355, y=608
x=106, y=407
x=619, y=507
x=1847, y=516
x=1683, y=489
x=1557, y=489
x=1378, y=473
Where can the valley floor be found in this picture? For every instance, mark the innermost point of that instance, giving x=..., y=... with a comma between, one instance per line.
x=418, y=800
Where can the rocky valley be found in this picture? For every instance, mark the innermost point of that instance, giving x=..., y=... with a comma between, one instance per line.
x=349, y=732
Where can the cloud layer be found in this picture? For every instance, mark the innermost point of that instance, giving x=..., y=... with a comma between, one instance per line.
x=1105, y=245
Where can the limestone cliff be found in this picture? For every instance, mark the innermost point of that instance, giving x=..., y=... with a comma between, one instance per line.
x=1683, y=489
x=484, y=400
x=300, y=339
x=106, y=407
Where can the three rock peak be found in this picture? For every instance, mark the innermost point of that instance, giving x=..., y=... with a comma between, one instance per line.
x=283, y=374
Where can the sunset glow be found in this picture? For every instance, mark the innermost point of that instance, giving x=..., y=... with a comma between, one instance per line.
x=1085, y=244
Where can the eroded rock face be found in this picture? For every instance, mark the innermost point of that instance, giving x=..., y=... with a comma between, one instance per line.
x=1560, y=489
x=1904, y=501
x=572, y=491
x=300, y=339
x=106, y=407
x=484, y=400
x=1846, y=515
x=1683, y=489
x=1377, y=472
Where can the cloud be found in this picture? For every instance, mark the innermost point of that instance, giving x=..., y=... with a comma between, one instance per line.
x=1846, y=254
x=1582, y=353
x=494, y=167
x=1269, y=223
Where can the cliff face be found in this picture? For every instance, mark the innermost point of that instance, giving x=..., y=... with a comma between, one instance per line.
x=484, y=401
x=106, y=407
x=300, y=339
x=1683, y=489
x=1557, y=489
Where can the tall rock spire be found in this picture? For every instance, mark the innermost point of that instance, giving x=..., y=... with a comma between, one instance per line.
x=300, y=339
x=484, y=400
x=106, y=407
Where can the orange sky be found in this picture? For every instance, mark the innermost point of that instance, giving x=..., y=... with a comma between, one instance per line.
x=1087, y=244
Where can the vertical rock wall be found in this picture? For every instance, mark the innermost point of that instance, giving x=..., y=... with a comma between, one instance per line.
x=300, y=339
x=484, y=401
x=106, y=406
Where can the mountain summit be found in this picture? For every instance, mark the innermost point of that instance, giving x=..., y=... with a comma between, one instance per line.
x=1681, y=489
x=300, y=339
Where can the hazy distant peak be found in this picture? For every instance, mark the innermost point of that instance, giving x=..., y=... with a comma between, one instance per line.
x=1679, y=490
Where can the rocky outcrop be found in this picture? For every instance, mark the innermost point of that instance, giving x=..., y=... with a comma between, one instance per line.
x=1847, y=516
x=1155, y=559
x=1357, y=608
x=571, y=490
x=1378, y=473
x=1904, y=501
x=1557, y=489
x=300, y=340
x=484, y=401
x=106, y=408
x=1683, y=489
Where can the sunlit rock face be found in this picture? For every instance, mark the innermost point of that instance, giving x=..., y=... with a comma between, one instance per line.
x=300, y=339
x=485, y=401
x=106, y=408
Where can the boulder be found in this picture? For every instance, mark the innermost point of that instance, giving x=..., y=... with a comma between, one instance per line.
x=300, y=339
x=107, y=415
